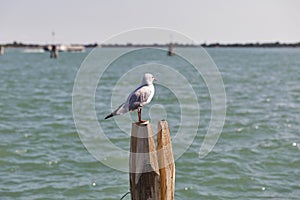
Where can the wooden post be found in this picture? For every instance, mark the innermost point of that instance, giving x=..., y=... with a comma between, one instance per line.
x=165, y=161
x=152, y=171
x=53, y=52
x=143, y=164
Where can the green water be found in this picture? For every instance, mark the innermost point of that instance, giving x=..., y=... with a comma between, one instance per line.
x=256, y=157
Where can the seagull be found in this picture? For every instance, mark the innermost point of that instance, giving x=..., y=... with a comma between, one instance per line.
x=138, y=98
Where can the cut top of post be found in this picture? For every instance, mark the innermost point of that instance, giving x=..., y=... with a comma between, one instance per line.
x=142, y=130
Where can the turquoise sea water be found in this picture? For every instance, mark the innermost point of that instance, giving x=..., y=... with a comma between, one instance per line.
x=256, y=157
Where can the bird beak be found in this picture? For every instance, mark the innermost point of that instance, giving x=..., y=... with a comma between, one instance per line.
x=154, y=79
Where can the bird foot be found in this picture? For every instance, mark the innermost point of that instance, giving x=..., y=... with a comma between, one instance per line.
x=143, y=121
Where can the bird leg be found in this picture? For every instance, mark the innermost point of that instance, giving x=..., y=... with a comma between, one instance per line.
x=140, y=116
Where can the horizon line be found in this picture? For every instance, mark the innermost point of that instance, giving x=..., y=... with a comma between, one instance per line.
x=175, y=44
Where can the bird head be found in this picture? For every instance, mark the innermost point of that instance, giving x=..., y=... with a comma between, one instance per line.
x=148, y=79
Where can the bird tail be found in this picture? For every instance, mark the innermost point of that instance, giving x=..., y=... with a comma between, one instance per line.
x=109, y=116
x=119, y=111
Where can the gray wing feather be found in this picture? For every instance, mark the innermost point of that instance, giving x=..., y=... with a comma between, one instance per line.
x=138, y=98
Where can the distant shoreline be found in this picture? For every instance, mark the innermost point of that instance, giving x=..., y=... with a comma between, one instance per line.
x=212, y=45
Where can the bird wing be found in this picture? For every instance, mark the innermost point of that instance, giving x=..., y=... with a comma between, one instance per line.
x=139, y=97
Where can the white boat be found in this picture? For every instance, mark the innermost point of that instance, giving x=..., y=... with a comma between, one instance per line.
x=71, y=48
x=67, y=48
x=33, y=50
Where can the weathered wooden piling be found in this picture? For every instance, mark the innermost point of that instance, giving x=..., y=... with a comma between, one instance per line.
x=144, y=171
x=165, y=161
x=152, y=170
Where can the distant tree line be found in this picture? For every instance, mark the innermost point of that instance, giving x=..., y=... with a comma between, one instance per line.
x=212, y=45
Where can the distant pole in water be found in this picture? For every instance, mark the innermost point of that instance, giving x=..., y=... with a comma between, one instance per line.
x=53, y=37
x=1, y=50
x=171, y=51
x=53, y=51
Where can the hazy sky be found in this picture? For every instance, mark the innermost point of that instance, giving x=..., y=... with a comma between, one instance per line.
x=89, y=21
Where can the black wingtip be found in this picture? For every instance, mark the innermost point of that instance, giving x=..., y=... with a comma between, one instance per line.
x=109, y=116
